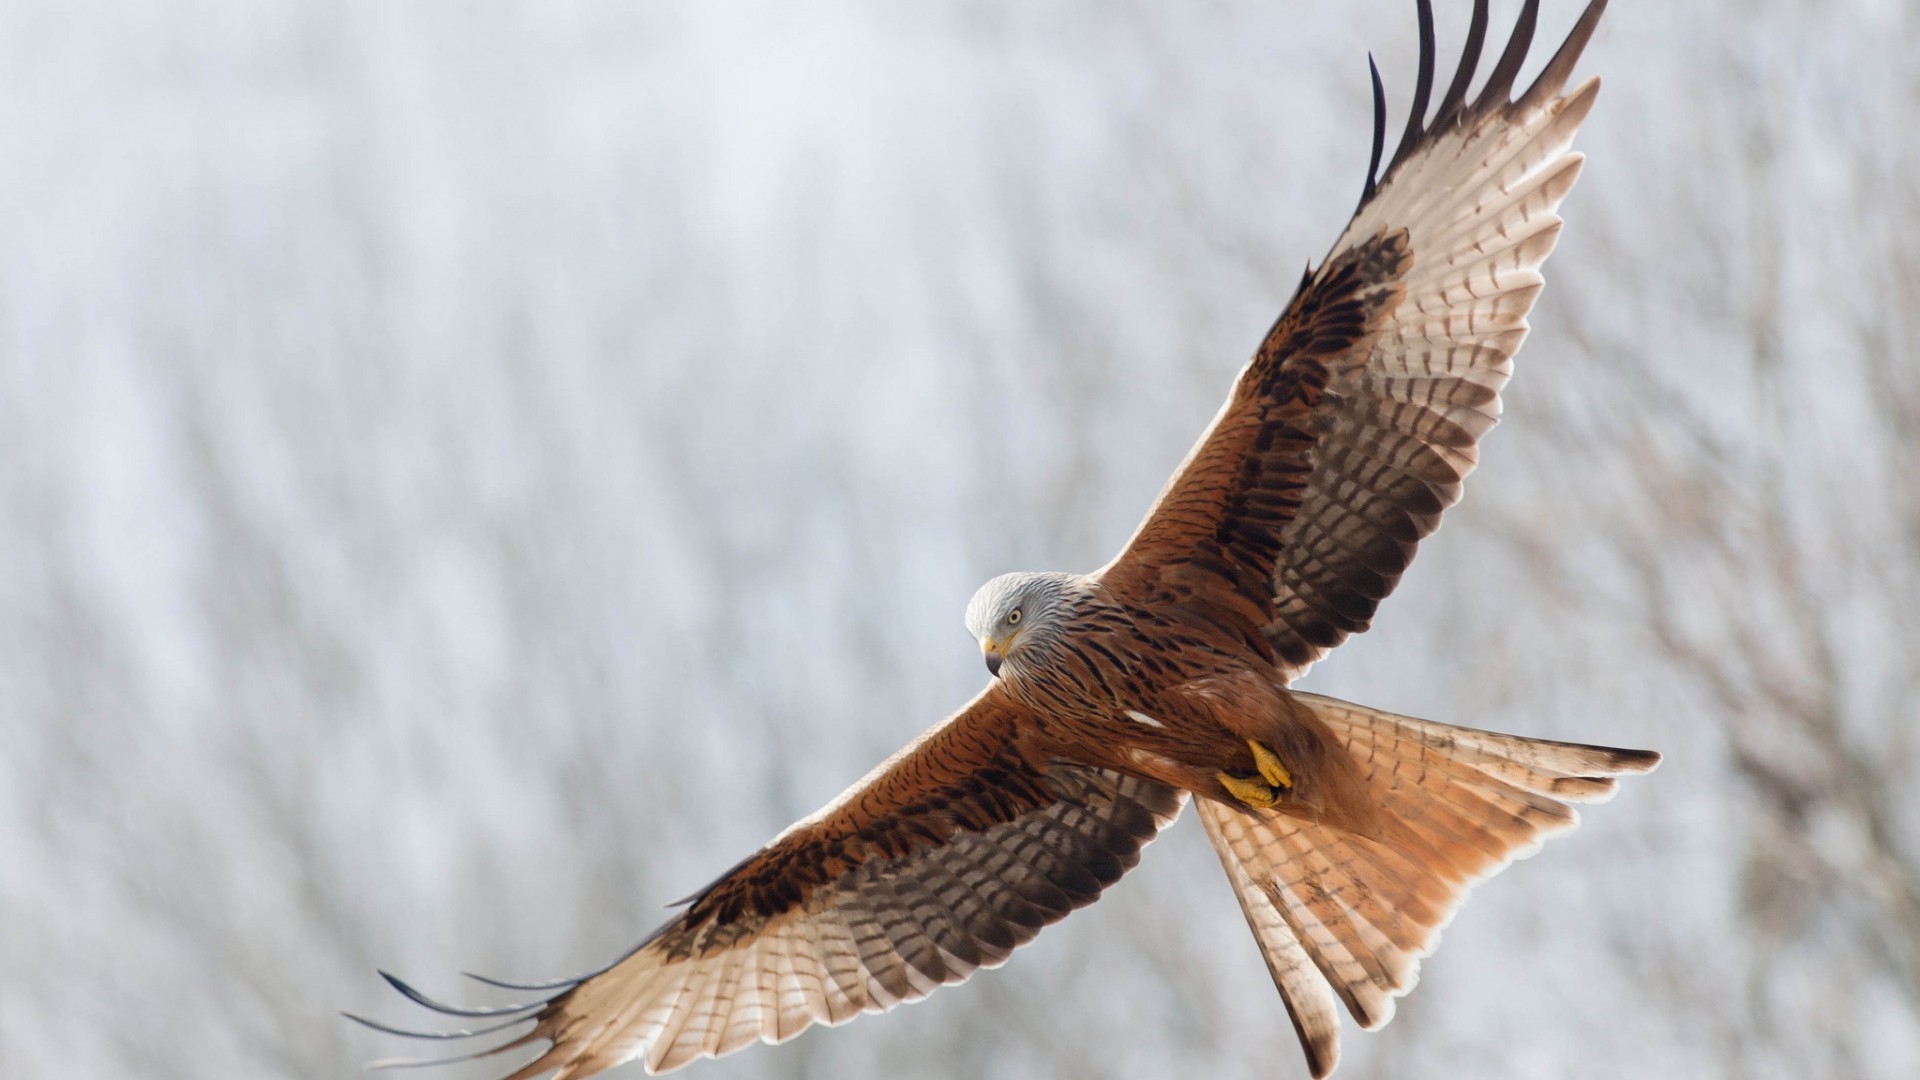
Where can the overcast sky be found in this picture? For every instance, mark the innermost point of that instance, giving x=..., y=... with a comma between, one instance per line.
x=470, y=474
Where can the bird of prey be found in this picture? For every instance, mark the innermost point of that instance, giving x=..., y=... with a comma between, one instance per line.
x=1350, y=835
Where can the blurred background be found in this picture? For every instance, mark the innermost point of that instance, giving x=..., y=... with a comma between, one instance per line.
x=469, y=475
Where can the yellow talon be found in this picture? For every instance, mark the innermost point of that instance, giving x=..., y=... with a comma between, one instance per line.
x=1252, y=792
x=1266, y=790
x=1270, y=766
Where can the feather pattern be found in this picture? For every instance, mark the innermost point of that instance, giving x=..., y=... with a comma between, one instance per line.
x=1349, y=432
x=1458, y=805
x=943, y=861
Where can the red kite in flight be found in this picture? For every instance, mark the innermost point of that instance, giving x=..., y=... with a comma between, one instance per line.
x=1350, y=835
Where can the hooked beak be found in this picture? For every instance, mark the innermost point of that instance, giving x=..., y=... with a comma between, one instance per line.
x=995, y=652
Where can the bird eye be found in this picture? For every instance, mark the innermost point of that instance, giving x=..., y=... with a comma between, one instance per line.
x=1013, y=617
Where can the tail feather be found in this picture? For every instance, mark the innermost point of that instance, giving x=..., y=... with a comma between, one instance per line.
x=1308, y=996
x=1348, y=917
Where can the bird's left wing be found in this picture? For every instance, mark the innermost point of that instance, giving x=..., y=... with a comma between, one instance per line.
x=944, y=859
x=1350, y=430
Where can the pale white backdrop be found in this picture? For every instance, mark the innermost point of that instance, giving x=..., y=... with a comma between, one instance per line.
x=468, y=474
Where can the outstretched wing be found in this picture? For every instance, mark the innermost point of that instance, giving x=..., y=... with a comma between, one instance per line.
x=946, y=858
x=1352, y=427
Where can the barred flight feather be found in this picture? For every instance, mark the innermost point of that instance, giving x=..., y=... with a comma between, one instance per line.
x=1460, y=805
x=1441, y=264
x=888, y=931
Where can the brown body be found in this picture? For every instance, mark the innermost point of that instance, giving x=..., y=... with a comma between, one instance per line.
x=1165, y=674
x=1173, y=700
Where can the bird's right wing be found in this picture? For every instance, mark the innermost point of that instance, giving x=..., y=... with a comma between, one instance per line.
x=947, y=857
x=1351, y=429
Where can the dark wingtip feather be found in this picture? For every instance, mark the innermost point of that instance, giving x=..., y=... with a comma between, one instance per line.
x=1379, y=130
x=1494, y=94
x=552, y=984
x=1500, y=83
x=1422, y=90
x=1554, y=76
x=388, y=1029
x=419, y=998
x=1456, y=96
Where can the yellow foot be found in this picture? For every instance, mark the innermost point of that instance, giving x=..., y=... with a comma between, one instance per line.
x=1270, y=766
x=1254, y=793
x=1264, y=792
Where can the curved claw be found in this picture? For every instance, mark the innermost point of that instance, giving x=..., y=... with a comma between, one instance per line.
x=1270, y=766
x=1264, y=790
x=1254, y=793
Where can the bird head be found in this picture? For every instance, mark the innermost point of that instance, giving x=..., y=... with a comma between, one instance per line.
x=1014, y=611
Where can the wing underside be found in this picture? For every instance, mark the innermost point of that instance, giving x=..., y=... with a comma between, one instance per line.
x=943, y=861
x=1350, y=432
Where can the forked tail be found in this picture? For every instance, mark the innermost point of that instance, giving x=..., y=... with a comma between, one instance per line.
x=1341, y=915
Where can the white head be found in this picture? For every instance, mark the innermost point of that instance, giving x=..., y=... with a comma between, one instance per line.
x=1014, y=612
